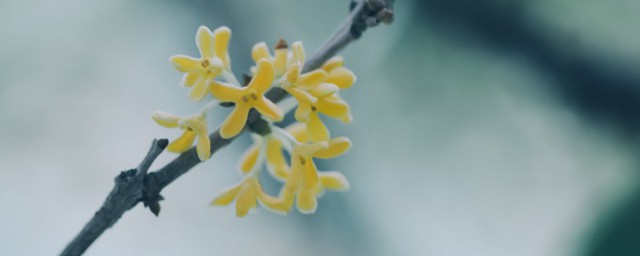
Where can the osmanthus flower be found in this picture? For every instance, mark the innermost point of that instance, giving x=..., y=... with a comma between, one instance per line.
x=247, y=194
x=276, y=164
x=305, y=182
x=275, y=159
x=194, y=127
x=338, y=74
x=331, y=105
x=199, y=72
x=280, y=60
x=246, y=98
x=301, y=85
x=316, y=91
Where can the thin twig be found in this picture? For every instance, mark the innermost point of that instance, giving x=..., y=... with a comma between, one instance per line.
x=135, y=185
x=126, y=193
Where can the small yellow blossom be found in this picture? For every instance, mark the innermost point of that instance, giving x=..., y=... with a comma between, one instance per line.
x=245, y=98
x=214, y=58
x=338, y=74
x=301, y=85
x=316, y=91
x=261, y=51
x=193, y=126
x=247, y=194
x=275, y=159
x=276, y=162
x=305, y=182
x=331, y=105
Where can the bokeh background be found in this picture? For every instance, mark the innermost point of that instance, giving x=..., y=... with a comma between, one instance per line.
x=482, y=127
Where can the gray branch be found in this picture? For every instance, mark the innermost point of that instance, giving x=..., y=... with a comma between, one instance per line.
x=135, y=185
x=127, y=192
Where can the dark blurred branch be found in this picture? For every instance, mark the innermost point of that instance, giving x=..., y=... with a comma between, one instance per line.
x=126, y=193
x=605, y=90
x=135, y=185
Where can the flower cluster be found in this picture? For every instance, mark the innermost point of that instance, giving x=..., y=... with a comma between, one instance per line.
x=313, y=92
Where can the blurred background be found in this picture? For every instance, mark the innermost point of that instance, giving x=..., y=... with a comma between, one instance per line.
x=481, y=128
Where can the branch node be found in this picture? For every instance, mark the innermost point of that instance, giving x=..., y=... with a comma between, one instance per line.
x=151, y=195
x=385, y=15
x=260, y=127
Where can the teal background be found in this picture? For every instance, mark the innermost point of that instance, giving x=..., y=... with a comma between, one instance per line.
x=480, y=128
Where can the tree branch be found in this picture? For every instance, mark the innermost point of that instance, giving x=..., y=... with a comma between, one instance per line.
x=127, y=192
x=135, y=185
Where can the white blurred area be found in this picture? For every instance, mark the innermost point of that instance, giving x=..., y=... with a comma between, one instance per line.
x=457, y=151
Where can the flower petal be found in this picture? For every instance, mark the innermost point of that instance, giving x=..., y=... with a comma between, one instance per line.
x=298, y=53
x=274, y=204
x=276, y=163
x=189, y=79
x=341, y=77
x=199, y=89
x=337, y=146
x=295, y=176
x=306, y=201
x=301, y=95
x=235, y=121
x=316, y=130
x=334, y=181
x=195, y=123
x=203, y=146
x=324, y=89
x=182, y=143
x=225, y=92
x=334, y=62
x=287, y=194
x=293, y=74
x=302, y=112
x=226, y=197
x=298, y=131
x=166, y=119
x=249, y=158
x=333, y=106
x=186, y=64
x=313, y=78
x=280, y=61
x=263, y=78
x=198, y=125
x=246, y=199
x=204, y=40
x=269, y=109
x=260, y=51
x=310, y=178
x=221, y=38
x=306, y=150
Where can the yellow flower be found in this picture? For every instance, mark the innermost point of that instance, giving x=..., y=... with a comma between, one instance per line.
x=275, y=159
x=276, y=162
x=247, y=194
x=214, y=58
x=193, y=126
x=338, y=74
x=305, y=182
x=280, y=60
x=245, y=98
x=331, y=105
x=316, y=91
x=302, y=86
